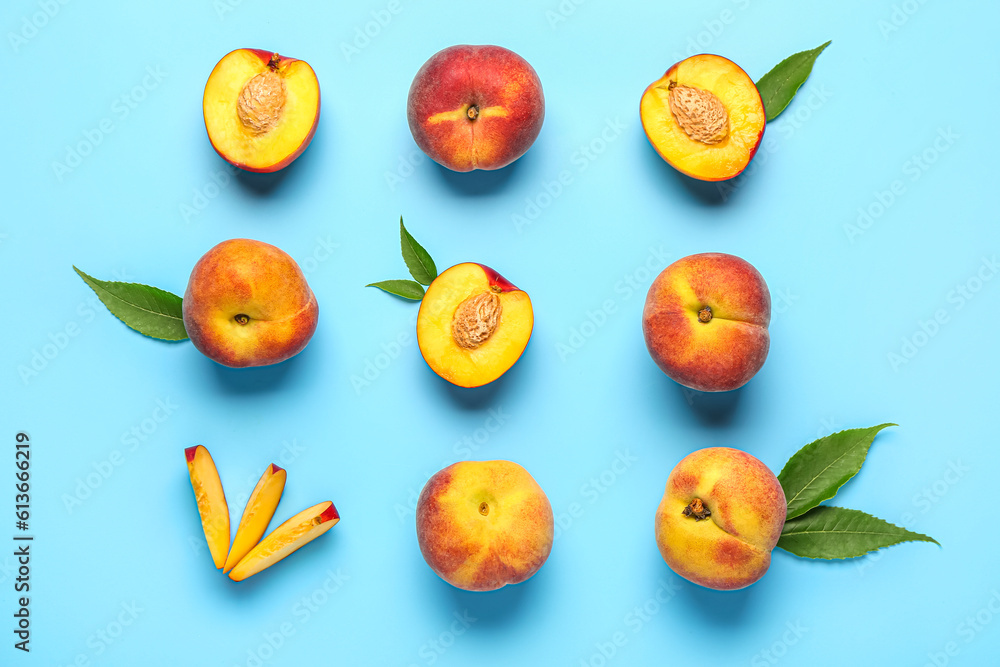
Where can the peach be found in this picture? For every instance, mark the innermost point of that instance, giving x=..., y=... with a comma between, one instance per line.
x=248, y=304
x=704, y=117
x=211, y=500
x=475, y=107
x=705, y=321
x=287, y=538
x=261, y=109
x=720, y=518
x=484, y=524
x=257, y=515
x=473, y=325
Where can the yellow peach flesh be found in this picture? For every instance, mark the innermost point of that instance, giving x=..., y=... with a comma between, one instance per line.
x=211, y=501
x=257, y=515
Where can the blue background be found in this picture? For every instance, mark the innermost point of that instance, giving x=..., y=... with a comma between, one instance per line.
x=895, y=123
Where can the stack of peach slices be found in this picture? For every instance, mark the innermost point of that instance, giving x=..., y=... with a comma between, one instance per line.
x=249, y=554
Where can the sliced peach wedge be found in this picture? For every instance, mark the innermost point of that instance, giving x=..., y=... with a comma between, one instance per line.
x=261, y=109
x=287, y=538
x=473, y=325
x=211, y=501
x=257, y=514
x=704, y=117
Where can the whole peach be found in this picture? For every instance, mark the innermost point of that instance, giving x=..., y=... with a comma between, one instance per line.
x=248, y=304
x=705, y=321
x=484, y=524
x=475, y=107
x=721, y=515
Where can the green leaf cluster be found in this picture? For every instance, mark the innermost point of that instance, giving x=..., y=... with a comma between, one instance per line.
x=418, y=262
x=813, y=475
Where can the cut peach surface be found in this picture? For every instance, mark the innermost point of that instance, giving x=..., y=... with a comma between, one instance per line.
x=211, y=501
x=259, y=510
x=261, y=109
x=287, y=538
x=473, y=325
x=704, y=117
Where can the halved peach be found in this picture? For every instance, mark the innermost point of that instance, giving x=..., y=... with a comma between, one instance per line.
x=287, y=538
x=257, y=514
x=704, y=117
x=261, y=109
x=473, y=325
x=211, y=501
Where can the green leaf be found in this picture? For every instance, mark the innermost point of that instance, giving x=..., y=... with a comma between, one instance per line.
x=408, y=289
x=150, y=311
x=417, y=260
x=835, y=532
x=818, y=470
x=778, y=87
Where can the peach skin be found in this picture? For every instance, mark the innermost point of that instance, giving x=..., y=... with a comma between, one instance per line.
x=484, y=524
x=720, y=517
x=248, y=304
x=705, y=321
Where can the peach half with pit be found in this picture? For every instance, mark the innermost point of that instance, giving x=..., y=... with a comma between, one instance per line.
x=473, y=325
x=704, y=116
x=261, y=109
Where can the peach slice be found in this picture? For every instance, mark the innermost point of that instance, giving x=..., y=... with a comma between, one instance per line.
x=211, y=501
x=257, y=514
x=473, y=325
x=261, y=109
x=704, y=117
x=290, y=536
